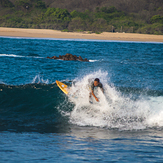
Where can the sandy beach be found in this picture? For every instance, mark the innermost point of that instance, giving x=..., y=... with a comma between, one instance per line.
x=48, y=33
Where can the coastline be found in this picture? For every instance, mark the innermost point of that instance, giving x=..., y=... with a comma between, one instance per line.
x=49, y=33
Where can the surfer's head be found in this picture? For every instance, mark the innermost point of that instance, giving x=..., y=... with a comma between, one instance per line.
x=96, y=82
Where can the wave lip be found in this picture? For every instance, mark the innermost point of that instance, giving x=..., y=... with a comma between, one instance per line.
x=37, y=79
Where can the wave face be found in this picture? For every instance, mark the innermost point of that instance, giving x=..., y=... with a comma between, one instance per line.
x=32, y=107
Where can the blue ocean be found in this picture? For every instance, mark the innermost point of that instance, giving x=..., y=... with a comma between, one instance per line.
x=39, y=123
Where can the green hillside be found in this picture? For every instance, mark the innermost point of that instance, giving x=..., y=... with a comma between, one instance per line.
x=130, y=16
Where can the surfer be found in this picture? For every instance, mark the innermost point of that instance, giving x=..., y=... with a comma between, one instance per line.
x=95, y=83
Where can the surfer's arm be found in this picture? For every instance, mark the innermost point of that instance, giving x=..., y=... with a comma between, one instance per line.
x=94, y=96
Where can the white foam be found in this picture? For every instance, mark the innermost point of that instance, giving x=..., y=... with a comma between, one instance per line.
x=10, y=55
x=18, y=56
x=156, y=118
x=114, y=110
x=93, y=60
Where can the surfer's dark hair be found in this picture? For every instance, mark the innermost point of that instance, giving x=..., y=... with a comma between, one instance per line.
x=97, y=79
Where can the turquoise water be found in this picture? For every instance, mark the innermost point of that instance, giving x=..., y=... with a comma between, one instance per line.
x=38, y=123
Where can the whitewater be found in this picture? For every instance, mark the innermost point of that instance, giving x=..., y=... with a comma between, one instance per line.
x=115, y=110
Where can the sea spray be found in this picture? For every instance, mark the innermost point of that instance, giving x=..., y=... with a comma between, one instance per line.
x=115, y=109
x=38, y=79
x=156, y=118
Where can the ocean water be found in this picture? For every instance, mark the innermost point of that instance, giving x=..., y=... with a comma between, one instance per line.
x=39, y=123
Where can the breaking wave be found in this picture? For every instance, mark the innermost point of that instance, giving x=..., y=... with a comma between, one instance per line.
x=41, y=106
x=123, y=110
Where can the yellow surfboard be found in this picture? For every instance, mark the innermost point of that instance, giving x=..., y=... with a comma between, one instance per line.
x=62, y=86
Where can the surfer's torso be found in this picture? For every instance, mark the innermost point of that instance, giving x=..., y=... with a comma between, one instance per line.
x=92, y=86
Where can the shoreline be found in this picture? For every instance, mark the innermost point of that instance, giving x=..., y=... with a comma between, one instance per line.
x=56, y=34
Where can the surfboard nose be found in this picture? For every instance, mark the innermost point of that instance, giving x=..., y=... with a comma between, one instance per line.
x=62, y=86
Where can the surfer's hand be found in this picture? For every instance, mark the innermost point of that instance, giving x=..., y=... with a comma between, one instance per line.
x=97, y=99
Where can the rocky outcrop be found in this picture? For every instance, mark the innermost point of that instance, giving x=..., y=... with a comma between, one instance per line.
x=69, y=57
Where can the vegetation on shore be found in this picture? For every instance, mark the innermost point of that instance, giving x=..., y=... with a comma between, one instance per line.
x=99, y=17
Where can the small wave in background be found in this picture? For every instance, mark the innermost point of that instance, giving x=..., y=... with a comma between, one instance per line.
x=20, y=56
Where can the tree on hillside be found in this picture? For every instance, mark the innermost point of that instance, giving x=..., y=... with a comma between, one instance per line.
x=157, y=19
